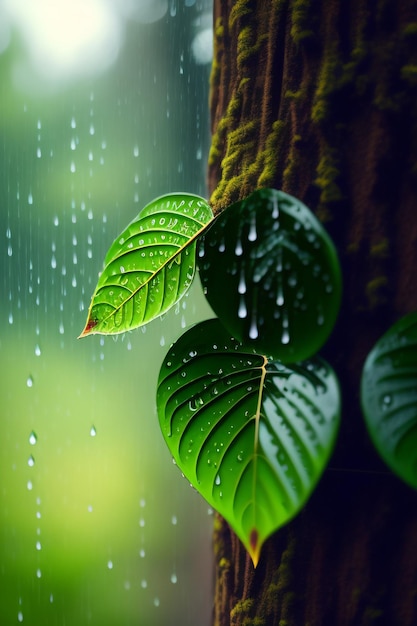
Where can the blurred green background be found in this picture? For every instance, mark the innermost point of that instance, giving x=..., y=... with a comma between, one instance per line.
x=97, y=526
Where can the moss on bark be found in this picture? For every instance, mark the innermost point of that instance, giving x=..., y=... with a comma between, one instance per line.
x=319, y=99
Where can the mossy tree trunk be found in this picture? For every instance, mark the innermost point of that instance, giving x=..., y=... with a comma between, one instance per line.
x=319, y=98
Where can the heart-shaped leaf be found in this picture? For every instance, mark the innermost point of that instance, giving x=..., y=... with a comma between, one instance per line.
x=250, y=434
x=271, y=274
x=389, y=397
x=149, y=266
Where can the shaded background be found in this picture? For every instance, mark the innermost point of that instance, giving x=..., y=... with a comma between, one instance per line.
x=97, y=526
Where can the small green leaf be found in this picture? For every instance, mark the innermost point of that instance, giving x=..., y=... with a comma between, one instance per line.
x=149, y=266
x=389, y=397
x=250, y=434
x=271, y=274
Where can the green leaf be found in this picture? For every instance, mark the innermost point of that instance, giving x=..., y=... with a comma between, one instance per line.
x=149, y=266
x=250, y=434
x=389, y=397
x=271, y=274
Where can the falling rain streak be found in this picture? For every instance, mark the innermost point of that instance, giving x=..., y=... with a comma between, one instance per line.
x=83, y=454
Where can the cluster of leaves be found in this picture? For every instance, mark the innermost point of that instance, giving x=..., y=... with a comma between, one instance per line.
x=248, y=410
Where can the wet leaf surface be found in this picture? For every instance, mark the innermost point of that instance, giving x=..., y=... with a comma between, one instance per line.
x=389, y=397
x=149, y=266
x=271, y=274
x=251, y=434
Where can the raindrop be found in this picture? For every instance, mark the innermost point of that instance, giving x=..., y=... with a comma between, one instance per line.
x=275, y=209
x=38, y=545
x=33, y=438
x=29, y=381
x=110, y=564
x=31, y=461
x=253, y=330
x=285, y=337
x=29, y=485
x=38, y=573
x=37, y=350
x=386, y=401
x=156, y=602
x=218, y=480
x=242, y=282
x=144, y=584
x=93, y=431
x=242, y=311
x=252, y=230
x=20, y=616
x=238, y=248
x=174, y=579
x=280, y=295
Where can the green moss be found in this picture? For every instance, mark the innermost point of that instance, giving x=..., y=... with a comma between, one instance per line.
x=269, y=157
x=301, y=21
x=292, y=162
x=241, y=607
x=380, y=250
x=327, y=174
x=239, y=9
x=376, y=291
x=256, y=621
x=296, y=96
x=409, y=73
x=326, y=84
x=410, y=30
x=219, y=28
x=224, y=563
x=372, y=614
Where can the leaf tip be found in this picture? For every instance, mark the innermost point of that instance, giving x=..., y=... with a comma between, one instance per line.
x=255, y=546
x=88, y=329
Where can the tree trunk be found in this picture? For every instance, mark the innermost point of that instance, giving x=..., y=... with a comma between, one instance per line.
x=320, y=99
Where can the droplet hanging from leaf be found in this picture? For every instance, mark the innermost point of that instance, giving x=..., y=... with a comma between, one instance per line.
x=150, y=266
x=276, y=285
x=252, y=435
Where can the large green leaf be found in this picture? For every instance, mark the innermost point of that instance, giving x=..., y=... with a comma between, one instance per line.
x=271, y=274
x=250, y=434
x=149, y=266
x=389, y=397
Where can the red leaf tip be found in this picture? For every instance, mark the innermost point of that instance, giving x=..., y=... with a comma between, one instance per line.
x=254, y=546
x=91, y=323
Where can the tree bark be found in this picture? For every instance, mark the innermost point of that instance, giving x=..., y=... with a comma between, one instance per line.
x=319, y=98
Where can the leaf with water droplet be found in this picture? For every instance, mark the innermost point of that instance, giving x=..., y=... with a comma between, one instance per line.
x=389, y=397
x=262, y=431
x=150, y=266
x=277, y=284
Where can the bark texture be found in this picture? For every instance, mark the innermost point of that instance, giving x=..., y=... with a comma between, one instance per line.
x=319, y=98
